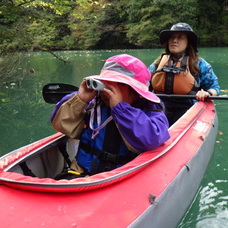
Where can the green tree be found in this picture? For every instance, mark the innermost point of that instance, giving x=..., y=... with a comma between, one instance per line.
x=33, y=24
x=147, y=18
x=213, y=24
x=30, y=25
x=99, y=24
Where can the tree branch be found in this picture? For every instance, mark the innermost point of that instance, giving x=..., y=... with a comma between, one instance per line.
x=56, y=56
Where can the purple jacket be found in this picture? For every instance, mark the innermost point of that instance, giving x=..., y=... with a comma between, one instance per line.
x=144, y=128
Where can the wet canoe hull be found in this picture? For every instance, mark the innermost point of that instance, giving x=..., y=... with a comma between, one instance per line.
x=153, y=190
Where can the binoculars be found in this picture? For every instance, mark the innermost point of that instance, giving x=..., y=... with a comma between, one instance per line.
x=95, y=84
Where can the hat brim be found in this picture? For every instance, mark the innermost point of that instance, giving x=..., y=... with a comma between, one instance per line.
x=140, y=88
x=165, y=35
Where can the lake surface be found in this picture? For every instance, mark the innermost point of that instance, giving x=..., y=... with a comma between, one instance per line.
x=24, y=116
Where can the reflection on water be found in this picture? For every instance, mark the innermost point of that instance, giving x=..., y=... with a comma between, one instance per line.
x=218, y=220
x=212, y=209
x=208, y=208
x=24, y=117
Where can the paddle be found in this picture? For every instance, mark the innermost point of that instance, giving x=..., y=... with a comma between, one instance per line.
x=191, y=96
x=54, y=92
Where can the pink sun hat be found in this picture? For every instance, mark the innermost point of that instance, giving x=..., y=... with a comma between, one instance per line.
x=129, y=70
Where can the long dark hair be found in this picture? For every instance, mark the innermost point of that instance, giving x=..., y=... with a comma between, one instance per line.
x=193, y=59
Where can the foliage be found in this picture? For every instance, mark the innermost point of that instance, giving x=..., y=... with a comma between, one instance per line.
x=211, y=32
x=33, y=24
x=147, y=20
x=98, y=24
x=29, y=25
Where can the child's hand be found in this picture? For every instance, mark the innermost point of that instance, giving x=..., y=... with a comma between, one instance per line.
x=86, y=94
x=117, y=93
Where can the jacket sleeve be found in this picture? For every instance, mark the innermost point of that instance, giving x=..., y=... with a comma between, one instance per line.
x=69, y=117
x=143, y=131
x=207, y=77
x=152, y=68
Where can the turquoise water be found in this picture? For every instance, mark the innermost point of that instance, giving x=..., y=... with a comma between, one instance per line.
x=24, y=116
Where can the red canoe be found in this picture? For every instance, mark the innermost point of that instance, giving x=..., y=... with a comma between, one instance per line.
x=153, y=190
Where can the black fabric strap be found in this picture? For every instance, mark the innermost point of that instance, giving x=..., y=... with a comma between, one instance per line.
x=105, y=156
x=26, y=170
x=112, y=139
x=62, y=149
x=169, y=80
x=184, y=63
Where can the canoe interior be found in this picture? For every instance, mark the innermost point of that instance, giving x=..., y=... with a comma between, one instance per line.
x=153, y=190
x=47, y=161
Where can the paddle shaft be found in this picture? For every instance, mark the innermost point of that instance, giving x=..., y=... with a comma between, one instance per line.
x=52, y=93
x=191, y=96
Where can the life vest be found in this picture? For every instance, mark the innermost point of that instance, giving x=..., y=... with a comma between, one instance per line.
x=104, y=152
x=174, y=78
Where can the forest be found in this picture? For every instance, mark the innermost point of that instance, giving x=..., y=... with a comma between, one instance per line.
x=36, y=25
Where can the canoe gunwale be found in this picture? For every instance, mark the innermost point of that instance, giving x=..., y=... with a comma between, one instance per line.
x=182, y=190
x=33, y=153
x=102, y=179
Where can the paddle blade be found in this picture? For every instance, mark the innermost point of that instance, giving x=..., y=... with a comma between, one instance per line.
x=54, y=92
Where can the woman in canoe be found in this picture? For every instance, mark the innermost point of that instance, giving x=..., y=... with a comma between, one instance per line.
x=116, y=123
x=179, y=70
